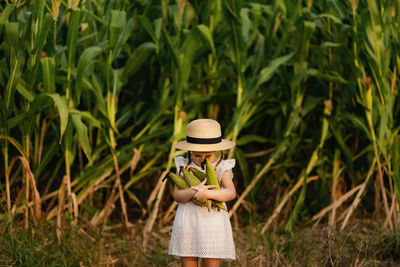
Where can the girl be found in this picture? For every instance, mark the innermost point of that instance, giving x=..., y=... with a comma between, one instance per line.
x=197, y=232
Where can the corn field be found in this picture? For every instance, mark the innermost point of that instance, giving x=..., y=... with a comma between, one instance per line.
x=95, y=93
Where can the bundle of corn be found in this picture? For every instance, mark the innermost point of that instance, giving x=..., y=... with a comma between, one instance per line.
x=182, y=184
x=192, y=177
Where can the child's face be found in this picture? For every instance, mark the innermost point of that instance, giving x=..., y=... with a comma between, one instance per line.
x=199, y=157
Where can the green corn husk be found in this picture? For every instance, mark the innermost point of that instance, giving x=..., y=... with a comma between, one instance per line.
x=213, y=180
x=192, y=180
x=181, y=183
x=219, y=205
x=178, y=180
x=211, y=175
x=199, y=174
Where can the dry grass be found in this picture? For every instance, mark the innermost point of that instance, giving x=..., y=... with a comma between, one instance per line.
x=361, y=244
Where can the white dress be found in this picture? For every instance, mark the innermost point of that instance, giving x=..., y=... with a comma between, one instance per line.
x=196, y=231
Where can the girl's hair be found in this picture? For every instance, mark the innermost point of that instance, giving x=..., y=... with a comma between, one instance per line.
x=187, y=165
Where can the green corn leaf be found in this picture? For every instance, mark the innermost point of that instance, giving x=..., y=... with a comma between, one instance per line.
x=10, y=87
x=206, y=34
x=23, y=89
x=87, y=116
x=244, y=140
x=139, y=57
x=172, y=50
x=6, y=13
x=16, y=144
x=267, y=72
x=299, y=204
x=17, y=120
x=117, y=23
x=148, y=27
x=11, y=29
x=44, y=29
x=358, y=123
x=326, y=45
x=243, y=165
x=3, y=118
x=333, y=77
x=38, y=11
x=396, y=163
x=123, y=37
x=186, y=55
x=72, y=35
x=48, y=155
x=86, y=59
x=48, y=74
x=82, y=131
x=62, y=107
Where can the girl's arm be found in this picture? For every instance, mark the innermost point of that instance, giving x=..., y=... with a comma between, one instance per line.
x=186, y=194
x=224, y=194
x=183, y=195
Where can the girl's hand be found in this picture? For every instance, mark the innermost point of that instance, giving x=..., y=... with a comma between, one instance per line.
x=201, y=194
x=202, y=186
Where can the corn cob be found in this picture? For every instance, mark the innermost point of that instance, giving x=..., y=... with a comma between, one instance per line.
x=192, y=180
x=181, y=183
x=211, y=175
x=199, y=174
x=213, y=180
x=178, y=180
x=219, y=205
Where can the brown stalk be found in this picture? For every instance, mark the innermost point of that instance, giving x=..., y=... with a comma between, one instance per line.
x=152, y=218
x=388, y=219
x=259, y=153
x=35, y=194
x=134, y=161
x=336, y=173
x=42, y=134
x=92, y=188
x=357, y=199
x=76, y=209
x=121, y=193
x=353, y=6
x=14, y=209
x=134, y=198
x=251, y=185
x=153, y=194
x=21, y=208
x=383, y=191
x=111, y=200
x=26, y=199
x=335, y=204
x=61, y=201
x=169, y=214
x=286, y=197
x=182, y=4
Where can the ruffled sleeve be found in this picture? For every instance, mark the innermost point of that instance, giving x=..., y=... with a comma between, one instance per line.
x=225, y=165
x=180, y=161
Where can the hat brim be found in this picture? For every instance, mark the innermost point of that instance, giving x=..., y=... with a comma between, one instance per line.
x=223, y=145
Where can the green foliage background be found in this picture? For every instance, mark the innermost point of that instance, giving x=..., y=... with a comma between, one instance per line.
x=305, y=88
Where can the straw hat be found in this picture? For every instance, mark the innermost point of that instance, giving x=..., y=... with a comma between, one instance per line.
x=204, y=135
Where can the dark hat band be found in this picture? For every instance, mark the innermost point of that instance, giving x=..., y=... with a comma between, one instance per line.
x=203, y=141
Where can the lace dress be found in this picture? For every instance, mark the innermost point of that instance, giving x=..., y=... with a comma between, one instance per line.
x=199, y=233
